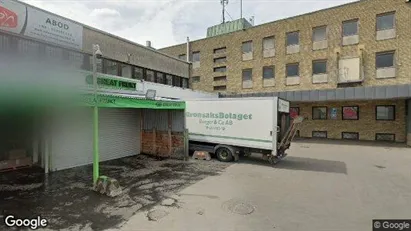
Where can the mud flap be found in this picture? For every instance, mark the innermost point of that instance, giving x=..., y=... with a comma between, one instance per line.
x=236, y=156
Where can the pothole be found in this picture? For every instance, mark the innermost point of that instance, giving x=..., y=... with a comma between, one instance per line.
x=238, y=206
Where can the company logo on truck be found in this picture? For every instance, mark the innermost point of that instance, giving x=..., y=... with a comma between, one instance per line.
x=221, y=115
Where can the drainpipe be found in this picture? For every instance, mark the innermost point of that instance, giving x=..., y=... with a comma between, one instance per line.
x=188, y=50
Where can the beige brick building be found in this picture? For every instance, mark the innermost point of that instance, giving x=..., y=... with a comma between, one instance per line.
x=347, y=69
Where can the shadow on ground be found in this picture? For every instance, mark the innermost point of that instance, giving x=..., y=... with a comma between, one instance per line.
x=300, y=163
x=65, y=198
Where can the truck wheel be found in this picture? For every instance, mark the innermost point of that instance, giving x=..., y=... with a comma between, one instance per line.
x=224, y=154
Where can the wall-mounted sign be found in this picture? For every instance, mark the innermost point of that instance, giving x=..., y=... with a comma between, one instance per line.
x=333, y=113
x=18, y=18
x=106, y=82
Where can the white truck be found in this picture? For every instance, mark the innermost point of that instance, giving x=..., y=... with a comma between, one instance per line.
x=230, y=127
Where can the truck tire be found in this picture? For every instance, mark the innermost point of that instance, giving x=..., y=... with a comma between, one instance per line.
x=224, y=154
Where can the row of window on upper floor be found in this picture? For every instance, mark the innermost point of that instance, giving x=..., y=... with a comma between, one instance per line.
x=30, y=49
x=385, y=27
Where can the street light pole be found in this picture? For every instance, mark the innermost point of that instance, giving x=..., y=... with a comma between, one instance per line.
x=96, y=52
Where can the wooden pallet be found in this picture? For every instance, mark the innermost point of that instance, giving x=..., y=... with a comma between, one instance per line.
x=10, y=165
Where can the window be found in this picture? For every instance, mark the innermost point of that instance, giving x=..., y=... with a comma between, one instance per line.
x=195, y=79
x=385, y=112
x=292, y=69
x=220, y=60
x=169, y=80
x=220, y=88
x=350, y=113
x=183, y=57
x=111, y=67
x=319, y=33
x=384, y=59
x=75, y=59
x=159, y=77
x=196, y=56
x=149, y=76
x=319, y=67
x=138, y=73
x=177, y=81
x=247, y=74
x=184, y=82
x=268, y=43
x=247, y=47
x=319, y=134
x=294, y=112
x=293, y=38
x=385, y=137
x=126, y=71
x=350, y=136
x=268, y=72
x=350, y=27
x=385, y=21
x=220, y=69
x=220, y=50
x=319, y=113
x=220, y=78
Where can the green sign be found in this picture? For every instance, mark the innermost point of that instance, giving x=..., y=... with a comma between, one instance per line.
x=121, y=102
x=221, y=115
x=107, y=82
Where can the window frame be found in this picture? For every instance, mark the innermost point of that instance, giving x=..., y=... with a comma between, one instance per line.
x=194, y=79
x=382, y=53
x=217, y=50
x=356, y=133
x=382, y=15
x=224, y=86
x=357, y=20
x=289, y=33
x=298, y=111
x=216, y=68
x=320, y=61
x=383, y=133
x=376, y=112
x=195, y=53
x=273, y=71
x=242, y=47
x=220, y=58
x=181, y=55
x=242, y=74
x=290, y=64
x=319, y=27
x=220, y=78
x=268, y=38
x=315, y=107
x=312, y=134
x=355, y=106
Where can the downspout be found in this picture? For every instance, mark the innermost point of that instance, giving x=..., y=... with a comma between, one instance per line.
x=188, y=61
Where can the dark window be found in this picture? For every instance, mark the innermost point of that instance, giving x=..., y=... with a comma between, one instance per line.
x=350, y=113
x=220, y=69
x=268, y=72
x=183, y=57
x=159, y=77
x=294, y=112
x=220, y=50
x=385, y=137
x=126, y=71
x=384, y=59
x=247, y=74
x=293, y=38
x=319, y=67
x=110, y=67
x=319, y=113
x=150, y=76
x=220, y=78
x=385, y=112
x=319, y=134
x=247, y=47
x=350, y=27
x=220, y=88
x=195, y=79
x=184, y=82
x=138, y=73
x=385, y=21
x=319, y=33
x=177, y=81
x=169, y=80
x=87, y=63
x=99, y=64
x=350, y=136
x=196, y=56
x=292, y=69
x=220, y=60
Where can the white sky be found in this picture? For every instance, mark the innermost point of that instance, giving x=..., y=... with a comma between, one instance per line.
x=169, y=22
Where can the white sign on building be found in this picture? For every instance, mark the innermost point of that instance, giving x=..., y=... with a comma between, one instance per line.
x=28, y=21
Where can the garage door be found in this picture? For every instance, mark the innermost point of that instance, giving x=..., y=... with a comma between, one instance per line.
x=72, y=137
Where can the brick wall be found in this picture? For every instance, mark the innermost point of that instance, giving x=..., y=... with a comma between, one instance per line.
x=365, y=10
x=366, y=126
x=159, y=145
